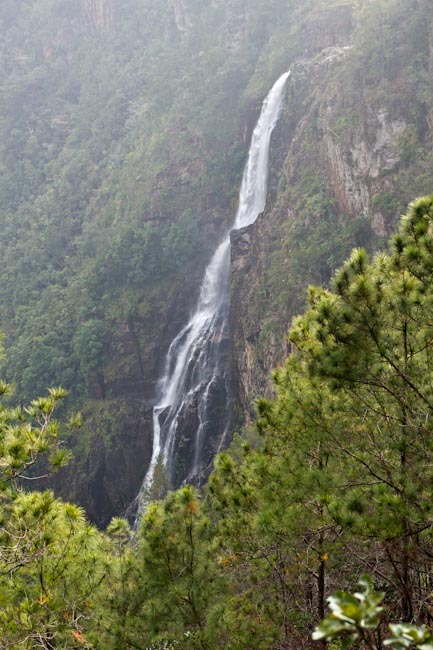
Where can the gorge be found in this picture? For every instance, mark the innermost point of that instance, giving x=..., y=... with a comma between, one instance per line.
x=117, y=188
x=216, y=336
x=196, y=373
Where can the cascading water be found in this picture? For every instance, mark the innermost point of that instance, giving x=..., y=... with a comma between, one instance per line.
x=194, y=392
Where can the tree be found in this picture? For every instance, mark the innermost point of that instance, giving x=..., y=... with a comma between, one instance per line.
x=170, y=580
x=363, y=356
x=51, y=563
x=341, y=482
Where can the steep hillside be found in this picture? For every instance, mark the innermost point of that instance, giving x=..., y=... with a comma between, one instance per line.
x=353, y=147
x=124, y=128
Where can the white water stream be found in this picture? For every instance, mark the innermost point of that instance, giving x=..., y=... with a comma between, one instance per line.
x=194, y=384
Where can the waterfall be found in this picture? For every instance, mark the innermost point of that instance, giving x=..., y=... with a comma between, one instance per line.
x=193, y=392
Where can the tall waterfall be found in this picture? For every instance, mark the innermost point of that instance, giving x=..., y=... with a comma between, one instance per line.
x=193, y=392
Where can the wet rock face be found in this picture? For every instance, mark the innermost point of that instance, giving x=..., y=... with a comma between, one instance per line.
x=117, y=477
x=108, y=478
x=253, y=353
x=113, y=449
x=240, y=241
x=193, y=464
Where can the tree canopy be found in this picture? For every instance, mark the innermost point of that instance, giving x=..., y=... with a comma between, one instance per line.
x=335, y=482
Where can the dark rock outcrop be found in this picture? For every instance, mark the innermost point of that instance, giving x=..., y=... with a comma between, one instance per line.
x=106, y=472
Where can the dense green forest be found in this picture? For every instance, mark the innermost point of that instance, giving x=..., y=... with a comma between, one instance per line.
x=335, y=482
x=121, y=154
x=124, y=128
x=120, y=159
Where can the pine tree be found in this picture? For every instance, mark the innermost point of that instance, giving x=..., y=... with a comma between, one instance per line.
x=367, y=346
x=51, y=564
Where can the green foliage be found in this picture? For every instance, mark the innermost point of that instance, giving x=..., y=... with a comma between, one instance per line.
x=160, y=482
x=51, y=560
x=169, y=581
x=46, y=593
x=408, y=636
x=120, y=158
x=26, y=433
x=351, y=614
x=88, y=343
x=387, y=203
x=112, y=181
x=338, y=484
x=121, y=153
x=355, y=616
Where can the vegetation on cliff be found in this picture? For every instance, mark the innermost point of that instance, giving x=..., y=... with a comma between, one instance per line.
x=123, y=131
x=336, y=484
x=352, y=149
x=123, y=128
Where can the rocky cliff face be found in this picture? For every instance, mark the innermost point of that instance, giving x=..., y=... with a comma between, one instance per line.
x=356, y=170
x=113, y=450
x=344, y=162
x=341, y=174
x=162, y=137
x=105, y=475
